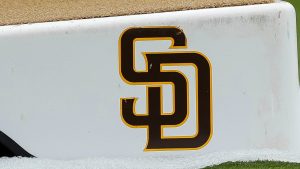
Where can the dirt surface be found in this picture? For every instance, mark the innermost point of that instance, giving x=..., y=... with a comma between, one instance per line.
x=31, y=11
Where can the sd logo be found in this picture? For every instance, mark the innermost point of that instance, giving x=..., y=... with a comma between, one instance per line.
x=154, y=77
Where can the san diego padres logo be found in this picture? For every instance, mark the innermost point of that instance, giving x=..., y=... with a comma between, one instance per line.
x=154, y=77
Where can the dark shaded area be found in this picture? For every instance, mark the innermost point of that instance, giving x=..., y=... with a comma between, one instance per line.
x=9, y=148
x=5, y=152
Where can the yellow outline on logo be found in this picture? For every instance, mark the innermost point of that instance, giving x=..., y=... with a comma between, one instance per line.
x=159, y=84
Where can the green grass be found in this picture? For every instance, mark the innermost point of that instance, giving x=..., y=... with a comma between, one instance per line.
x=256, y=165
x=267, y=164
